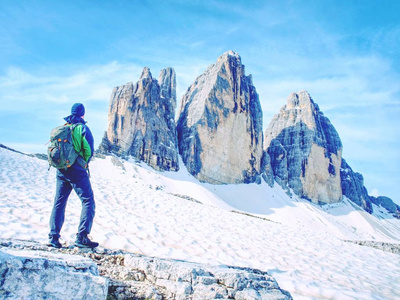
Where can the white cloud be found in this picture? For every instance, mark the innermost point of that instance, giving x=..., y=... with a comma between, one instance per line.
x=374, y=192
x=87, y=84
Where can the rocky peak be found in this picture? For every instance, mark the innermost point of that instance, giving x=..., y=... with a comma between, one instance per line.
x=220, y=124
x=231, y=59
x=141, y=123
x=146, y=73
x=305, y=150
x=229, y=53
x=299, y=100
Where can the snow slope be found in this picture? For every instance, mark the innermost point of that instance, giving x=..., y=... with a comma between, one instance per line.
x=172, y=215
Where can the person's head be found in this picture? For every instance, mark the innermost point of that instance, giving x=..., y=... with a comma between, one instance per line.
x=78, y=110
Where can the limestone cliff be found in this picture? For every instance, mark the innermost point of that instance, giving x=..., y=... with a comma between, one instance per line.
x=305, y=150
x=141, y=121
x=220, y=124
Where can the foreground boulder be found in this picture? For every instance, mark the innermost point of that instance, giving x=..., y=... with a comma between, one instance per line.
x=44, y=275
x=220, y=124
x=305, y=150
x=141, y=121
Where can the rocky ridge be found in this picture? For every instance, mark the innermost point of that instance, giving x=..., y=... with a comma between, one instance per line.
x=29, y=268
x=388, y=204
x=219, y=135
x=353, y=187
x=220, y=124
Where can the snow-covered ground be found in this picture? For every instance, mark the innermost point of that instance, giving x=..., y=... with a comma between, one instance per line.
x=172, y=215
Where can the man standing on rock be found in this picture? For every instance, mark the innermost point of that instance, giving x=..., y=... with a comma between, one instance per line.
x=75, y=177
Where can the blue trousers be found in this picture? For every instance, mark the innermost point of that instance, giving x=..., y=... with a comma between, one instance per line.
x=75, y=178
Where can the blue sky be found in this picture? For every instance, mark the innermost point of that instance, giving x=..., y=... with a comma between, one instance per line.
x=344, y=53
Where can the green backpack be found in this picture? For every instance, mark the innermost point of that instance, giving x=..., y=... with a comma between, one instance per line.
x=61, y=151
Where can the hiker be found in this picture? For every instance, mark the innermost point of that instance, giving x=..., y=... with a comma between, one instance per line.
x=75, y=177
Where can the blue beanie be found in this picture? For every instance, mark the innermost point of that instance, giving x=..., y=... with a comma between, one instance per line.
x=78, y=110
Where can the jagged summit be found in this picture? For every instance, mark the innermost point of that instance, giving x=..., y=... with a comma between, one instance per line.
x=141, y=121
x=167, y=81
x=229, y=55
x=146, y=73
x=299, y=100
x=220, y=124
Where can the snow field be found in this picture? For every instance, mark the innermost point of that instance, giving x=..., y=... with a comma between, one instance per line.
x=138, y=210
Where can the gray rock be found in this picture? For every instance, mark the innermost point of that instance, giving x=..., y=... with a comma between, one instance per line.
x=387, y=247
x=43, y=275
x=305, y=150
x=167, y=81
x=220, y=124
x=185, y=280
x=266, y=169
x=353, y=187
x=141, y=121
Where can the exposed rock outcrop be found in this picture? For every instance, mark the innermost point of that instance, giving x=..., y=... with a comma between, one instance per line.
x=141, y=121
x=185, y=280
x=220, y=124
x=388, y=204
x=266, y=169
x=64, y=274
x=353, y=187
x=305, y=150
x=387, y=247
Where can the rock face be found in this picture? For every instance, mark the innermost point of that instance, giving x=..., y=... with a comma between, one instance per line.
x=43, y=275
x=220, y=124
x=141, y=121
x=305, y=150
x=267, y=172
x=167, y=81
x=353, y=187
x=63, y=274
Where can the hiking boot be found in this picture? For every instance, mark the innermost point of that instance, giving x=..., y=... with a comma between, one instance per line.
x=82, y=241
x=54, y=242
